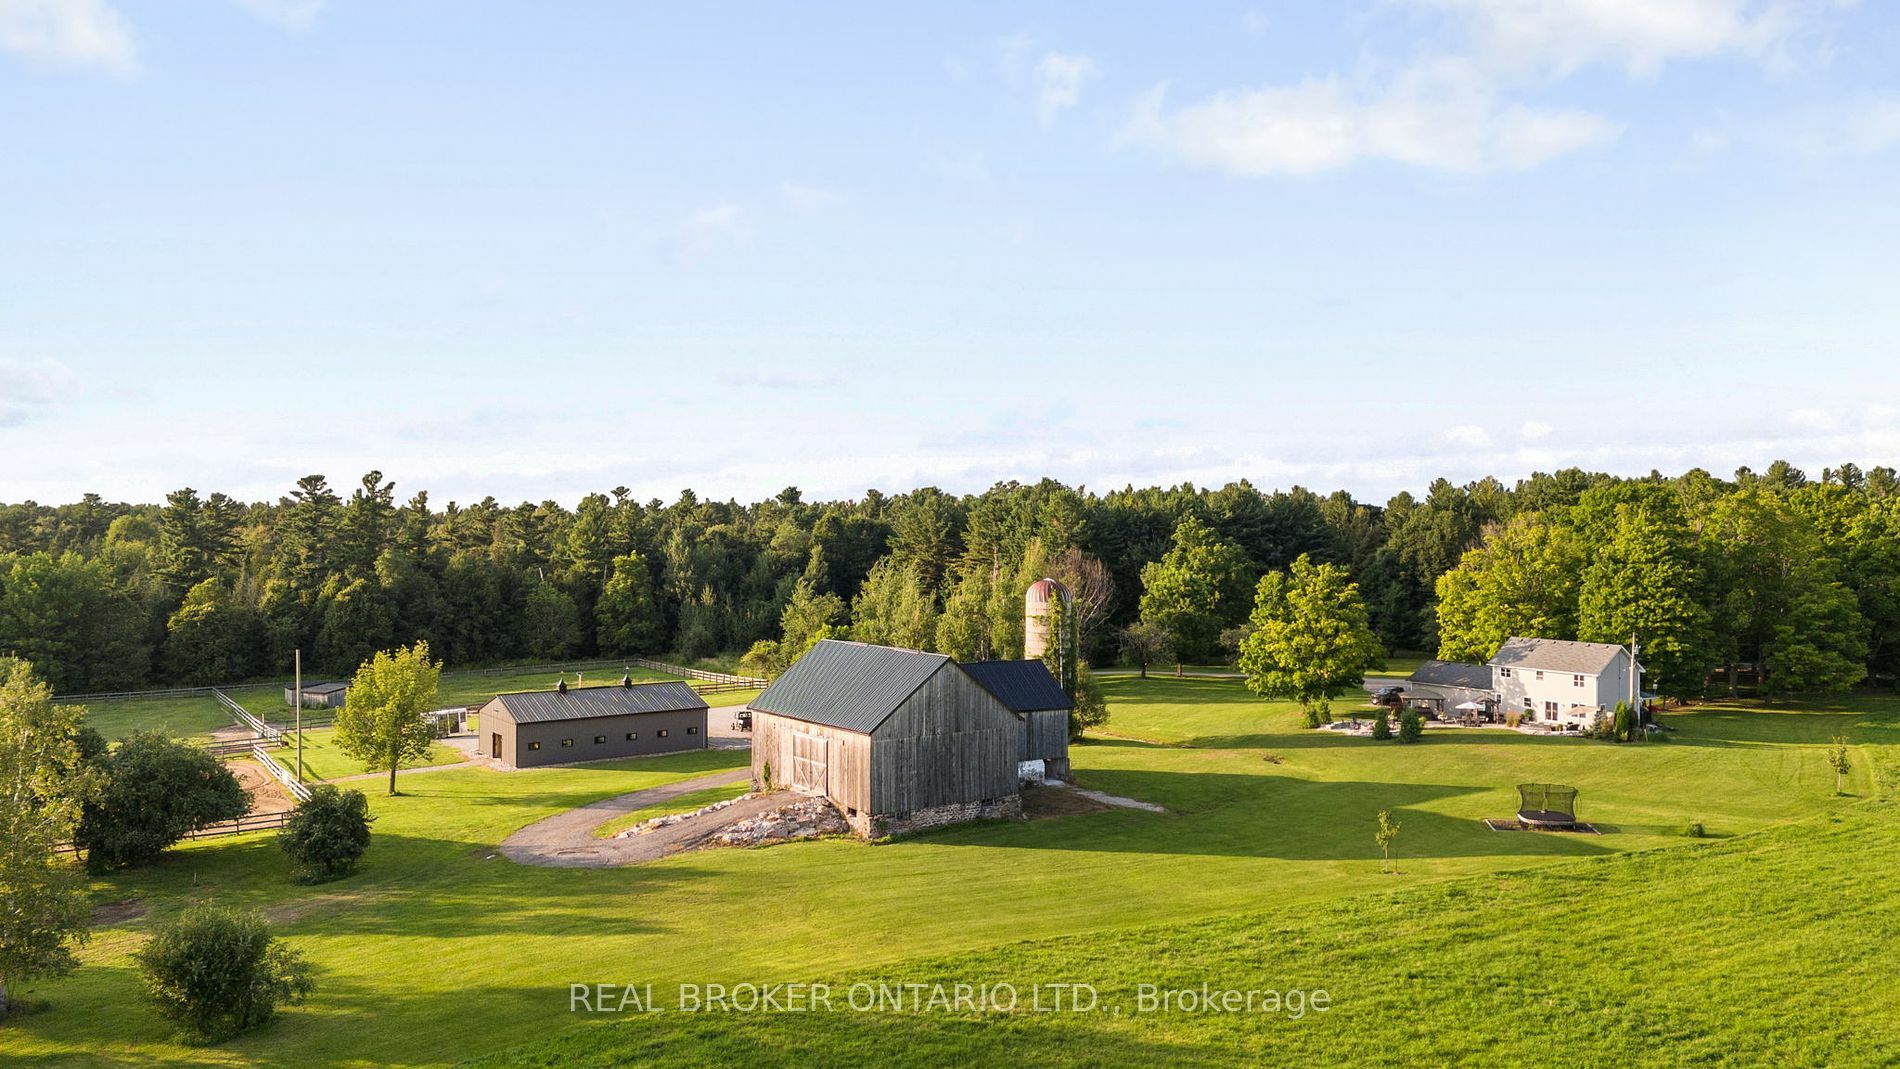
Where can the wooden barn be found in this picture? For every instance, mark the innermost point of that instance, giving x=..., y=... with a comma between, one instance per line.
x=554, y=727
x=897, y=740
x=1033, y=694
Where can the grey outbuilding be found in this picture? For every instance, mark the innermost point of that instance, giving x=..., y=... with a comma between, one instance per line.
x=898, y=740
x=553, y=727
x=1032, y=693
x=319, y=695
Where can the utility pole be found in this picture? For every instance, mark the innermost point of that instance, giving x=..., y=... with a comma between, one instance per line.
x=1636, y=681
x=297, y=700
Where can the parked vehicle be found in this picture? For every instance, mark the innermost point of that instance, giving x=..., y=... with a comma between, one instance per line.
x=742, y=720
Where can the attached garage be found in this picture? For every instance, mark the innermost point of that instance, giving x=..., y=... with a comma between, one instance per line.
x=898, y=740
x=567, y=724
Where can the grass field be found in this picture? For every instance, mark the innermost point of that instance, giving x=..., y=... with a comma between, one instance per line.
x=685, y=803
x=183, y=717
x=322, y=760
x=438, y=950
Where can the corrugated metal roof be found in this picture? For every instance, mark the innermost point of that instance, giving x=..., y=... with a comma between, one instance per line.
x=1453, y=674
x=1024, y=686
x=330, y=687
x=1557, y=655
x=850, y=685
x=581, y=703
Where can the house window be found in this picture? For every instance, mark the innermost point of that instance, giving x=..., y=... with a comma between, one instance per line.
x=692, y=731
x=1504, y=673
x=1550, y=710
x=534, y=746
x=632, y=735
x=662, y=733
x=567, y=742
x=598, y=739
x=1576, y=681
x=1540, y=677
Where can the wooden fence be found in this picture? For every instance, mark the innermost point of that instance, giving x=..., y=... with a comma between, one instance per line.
x=247, y=822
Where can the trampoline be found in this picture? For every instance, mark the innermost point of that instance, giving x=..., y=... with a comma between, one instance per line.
x=1546, y=805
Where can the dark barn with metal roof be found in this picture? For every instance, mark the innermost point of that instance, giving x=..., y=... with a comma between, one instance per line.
x=563, y=724
x=1033, y=694
x=898, y=740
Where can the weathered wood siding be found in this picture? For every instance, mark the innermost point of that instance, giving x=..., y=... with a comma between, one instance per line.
x=1045, y=737
x=951, y=741
x=848, y=758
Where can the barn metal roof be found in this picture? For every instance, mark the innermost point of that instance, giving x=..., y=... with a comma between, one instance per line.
x=1024, y=686
x=582, y=703
x=1557, y=655
x=849, y=685
x=323, y=688
x=1453, y=674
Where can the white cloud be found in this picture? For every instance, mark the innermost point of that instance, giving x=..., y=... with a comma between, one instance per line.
x=1441, y=114
x=1254, y=23
x=1558, y=37
x=1873, y=126
x=1060, y=77
x=807, y=198
x=1534, y=430
x=75, y=33
x=291, y=14
x=1812, y=419
x=1468, y=434
x=29, y=388
x=710, y=229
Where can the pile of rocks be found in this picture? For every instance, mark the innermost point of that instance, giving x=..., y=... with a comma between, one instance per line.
x=648, y=826
x=805, y=818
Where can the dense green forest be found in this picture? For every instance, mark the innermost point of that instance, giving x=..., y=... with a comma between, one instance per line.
x=1797, y=578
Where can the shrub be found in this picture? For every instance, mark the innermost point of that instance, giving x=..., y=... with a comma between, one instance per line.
x=1381, y=725
x=1411, y=726
x=218, y=972
x=1695, y=830
x=1625, y=725
x=155, y=790
x=1311, y=717
x=326, y=834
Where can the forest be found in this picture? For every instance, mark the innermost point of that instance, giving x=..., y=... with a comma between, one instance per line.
x=1785, y=582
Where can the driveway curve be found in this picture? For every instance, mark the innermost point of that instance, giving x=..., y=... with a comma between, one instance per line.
x=566, y=840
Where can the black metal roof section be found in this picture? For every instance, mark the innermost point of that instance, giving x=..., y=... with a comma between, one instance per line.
x=1024, y=686
x=582, y=703
x=849, y=685
x=1453, y=674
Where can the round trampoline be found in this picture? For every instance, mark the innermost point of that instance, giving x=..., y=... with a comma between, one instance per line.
x=1546, y=805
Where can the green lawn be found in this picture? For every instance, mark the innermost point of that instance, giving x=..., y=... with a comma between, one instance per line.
x=1750, y=952
x=183, y=717
x=685, y=803
x=439, y=950
x=322, y=760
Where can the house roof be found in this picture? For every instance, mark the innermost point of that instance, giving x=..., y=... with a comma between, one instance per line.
x=582, y=703
x=849, y=685
x=1453, y=674
x=1557, y=655
x=330, y=687
x=1024, y=686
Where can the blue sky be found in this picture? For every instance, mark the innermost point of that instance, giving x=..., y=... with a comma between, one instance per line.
x=533, y=250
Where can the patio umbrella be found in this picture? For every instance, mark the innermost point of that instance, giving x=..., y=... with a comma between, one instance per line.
x=1470, y=707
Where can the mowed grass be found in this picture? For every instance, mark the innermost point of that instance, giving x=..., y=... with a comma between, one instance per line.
x=1769, y=950
x=323, y=760
x=685, y=803
x=181, y=717
x=439, y=950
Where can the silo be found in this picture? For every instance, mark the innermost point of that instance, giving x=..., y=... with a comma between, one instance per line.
x=1036, y=613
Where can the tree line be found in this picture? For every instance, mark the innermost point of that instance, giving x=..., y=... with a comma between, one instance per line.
x=1787, y=580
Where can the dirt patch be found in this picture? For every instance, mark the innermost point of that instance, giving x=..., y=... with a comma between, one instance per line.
x=1043, y=802
x=111, y=913
x=267, y=794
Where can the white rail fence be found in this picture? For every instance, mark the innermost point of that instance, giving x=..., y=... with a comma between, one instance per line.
x=283, y=775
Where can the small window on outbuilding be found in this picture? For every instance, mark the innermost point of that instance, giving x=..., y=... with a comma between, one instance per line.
x=692, y=731
x=567, y=742
x=632, y=735
x=662, y=733
x=598, y=739
x=534, y=746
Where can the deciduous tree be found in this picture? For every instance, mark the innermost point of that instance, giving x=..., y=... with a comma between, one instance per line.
x=1311, y=641
x=381, y=723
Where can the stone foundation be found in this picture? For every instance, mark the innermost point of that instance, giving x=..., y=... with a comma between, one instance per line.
x=872, y=827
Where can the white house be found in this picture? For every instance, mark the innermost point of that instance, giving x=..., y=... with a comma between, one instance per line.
x=1554, y=681
x=1546, y=680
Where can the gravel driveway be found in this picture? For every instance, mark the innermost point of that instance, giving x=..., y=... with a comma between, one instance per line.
x=566, y=840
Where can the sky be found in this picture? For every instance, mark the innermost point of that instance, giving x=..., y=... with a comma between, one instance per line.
x=537, y=250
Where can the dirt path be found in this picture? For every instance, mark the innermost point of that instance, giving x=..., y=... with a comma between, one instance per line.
x=566, y=840
x=267, y=795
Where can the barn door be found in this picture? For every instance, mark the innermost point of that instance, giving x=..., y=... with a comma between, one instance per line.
x=809, y=760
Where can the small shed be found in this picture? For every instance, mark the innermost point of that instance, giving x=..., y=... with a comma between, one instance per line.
x=319, y=695
x=898, y=740
x=566, y=724
x=1032, y=693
